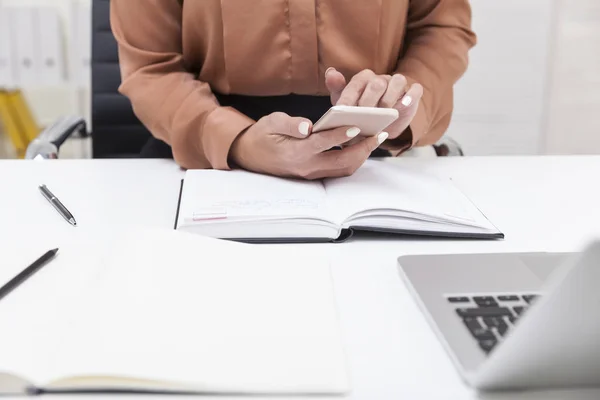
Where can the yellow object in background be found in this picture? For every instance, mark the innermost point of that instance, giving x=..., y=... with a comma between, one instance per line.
x=18, y=121
x=24, y=115
x=11, y=125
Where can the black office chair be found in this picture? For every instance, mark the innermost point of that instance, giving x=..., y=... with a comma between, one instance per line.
x=116, y=132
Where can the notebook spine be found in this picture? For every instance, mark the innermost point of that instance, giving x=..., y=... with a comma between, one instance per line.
x=345, y=235
x=434, y=234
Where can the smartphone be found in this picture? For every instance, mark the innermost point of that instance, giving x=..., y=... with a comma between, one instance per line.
x=370, y=120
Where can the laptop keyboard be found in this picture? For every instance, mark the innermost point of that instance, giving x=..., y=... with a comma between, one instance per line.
x=490, y=317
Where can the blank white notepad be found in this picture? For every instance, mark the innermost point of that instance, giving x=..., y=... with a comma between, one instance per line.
x=170, y=311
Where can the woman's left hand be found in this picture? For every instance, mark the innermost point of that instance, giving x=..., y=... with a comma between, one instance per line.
x=366, y=89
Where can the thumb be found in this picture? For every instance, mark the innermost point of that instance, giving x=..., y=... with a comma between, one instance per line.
x=282, y=124
x=336, y=83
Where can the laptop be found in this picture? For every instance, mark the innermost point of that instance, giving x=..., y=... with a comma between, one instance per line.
x=513, y=321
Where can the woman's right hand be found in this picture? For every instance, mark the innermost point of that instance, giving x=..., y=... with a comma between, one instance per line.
x=281, y=145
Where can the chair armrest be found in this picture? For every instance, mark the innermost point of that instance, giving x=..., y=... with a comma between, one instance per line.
x=48, y=142
x=448, y=147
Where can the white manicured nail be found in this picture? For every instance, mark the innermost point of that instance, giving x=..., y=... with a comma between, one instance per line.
x=303, y=128
x=330, y=69
x=382, y=137
x=407, y=101
x=352, y=132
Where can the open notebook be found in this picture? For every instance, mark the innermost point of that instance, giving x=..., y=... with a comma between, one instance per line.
x=379, y=197
x=171, y=312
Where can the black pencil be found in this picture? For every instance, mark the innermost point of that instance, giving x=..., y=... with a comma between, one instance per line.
x=27, y=273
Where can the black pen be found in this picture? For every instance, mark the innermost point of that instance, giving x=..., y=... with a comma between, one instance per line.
x=66, y=214
x=27, y=273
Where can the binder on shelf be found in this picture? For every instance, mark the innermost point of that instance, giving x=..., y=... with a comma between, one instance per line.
x=7, y=78
x=11, y=126
x=24, y=115
x=25, y=34
x=51, y=48
x=81, y=44
x=17, y=120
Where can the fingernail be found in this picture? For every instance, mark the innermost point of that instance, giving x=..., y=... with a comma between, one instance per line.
x=382, y=137
x=330, y=69
x=407, y=101
x=352, y=132
x=304, y=127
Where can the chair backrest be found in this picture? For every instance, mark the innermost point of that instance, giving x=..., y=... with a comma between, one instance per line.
x=116, y=132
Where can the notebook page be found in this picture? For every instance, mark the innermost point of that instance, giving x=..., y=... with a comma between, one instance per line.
x=36, y=315
x=382, y=185
x=210, y=196
x=213, y=315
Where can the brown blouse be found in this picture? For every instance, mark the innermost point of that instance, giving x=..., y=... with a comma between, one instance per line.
x=175, y=53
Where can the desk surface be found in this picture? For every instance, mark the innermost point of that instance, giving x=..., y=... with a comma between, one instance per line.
x=540, y=203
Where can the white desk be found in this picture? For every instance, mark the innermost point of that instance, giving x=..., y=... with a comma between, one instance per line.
x=541, y=204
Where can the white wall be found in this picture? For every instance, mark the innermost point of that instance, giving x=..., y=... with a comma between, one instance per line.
x=573, y=124
x=501, y=102
x=533, y=86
